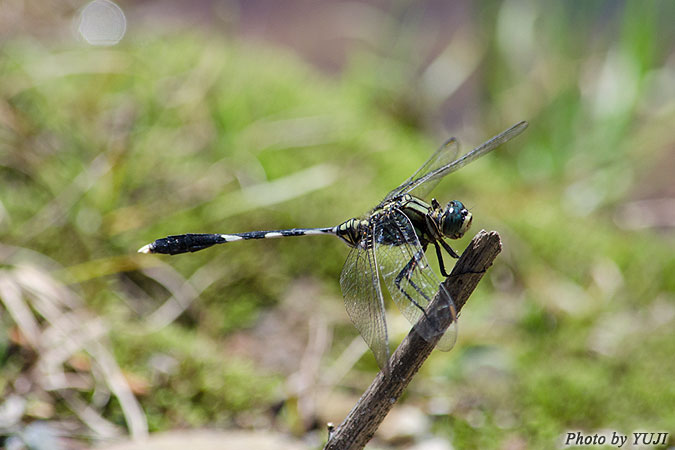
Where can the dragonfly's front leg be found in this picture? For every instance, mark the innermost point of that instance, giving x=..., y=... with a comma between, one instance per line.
x=449, y=249
x=439, y=255
x=436, y=236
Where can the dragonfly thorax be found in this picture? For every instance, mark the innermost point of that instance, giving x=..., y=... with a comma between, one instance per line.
x=454, y=220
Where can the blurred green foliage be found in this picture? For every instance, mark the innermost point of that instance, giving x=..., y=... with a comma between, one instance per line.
x=104, y=150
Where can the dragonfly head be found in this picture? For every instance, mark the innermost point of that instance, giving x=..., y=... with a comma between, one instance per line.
x=455, y=220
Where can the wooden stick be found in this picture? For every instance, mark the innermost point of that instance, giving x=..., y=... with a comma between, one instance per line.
x=376, y=402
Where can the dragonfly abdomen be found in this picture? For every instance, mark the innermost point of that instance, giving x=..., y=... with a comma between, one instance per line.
x=184, y=243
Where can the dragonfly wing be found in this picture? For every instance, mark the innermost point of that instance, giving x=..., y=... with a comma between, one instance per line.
x=448, y=340
x=363, y=299
x=441, y=157
x=422, y=184
x=410, y=280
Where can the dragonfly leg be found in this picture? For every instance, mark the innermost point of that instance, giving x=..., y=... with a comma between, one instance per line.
x=436, y=237
x=439, y=255
x=449, y=249
x=407, y=274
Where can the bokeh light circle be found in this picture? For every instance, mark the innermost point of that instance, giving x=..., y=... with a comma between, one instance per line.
x=102, y=22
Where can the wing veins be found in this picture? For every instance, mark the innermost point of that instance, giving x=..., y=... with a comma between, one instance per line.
x=364, y=301
x=473, y=155
x=445, y=153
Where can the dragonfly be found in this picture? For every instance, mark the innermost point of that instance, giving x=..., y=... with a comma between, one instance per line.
x=388, y=243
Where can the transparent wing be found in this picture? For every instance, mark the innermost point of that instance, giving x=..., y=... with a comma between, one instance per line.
x=421, y=185
x=441, y=157
x=410, y=280
x=363, y=299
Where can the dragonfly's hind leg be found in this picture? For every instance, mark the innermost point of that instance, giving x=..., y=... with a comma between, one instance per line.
x=407, y=274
